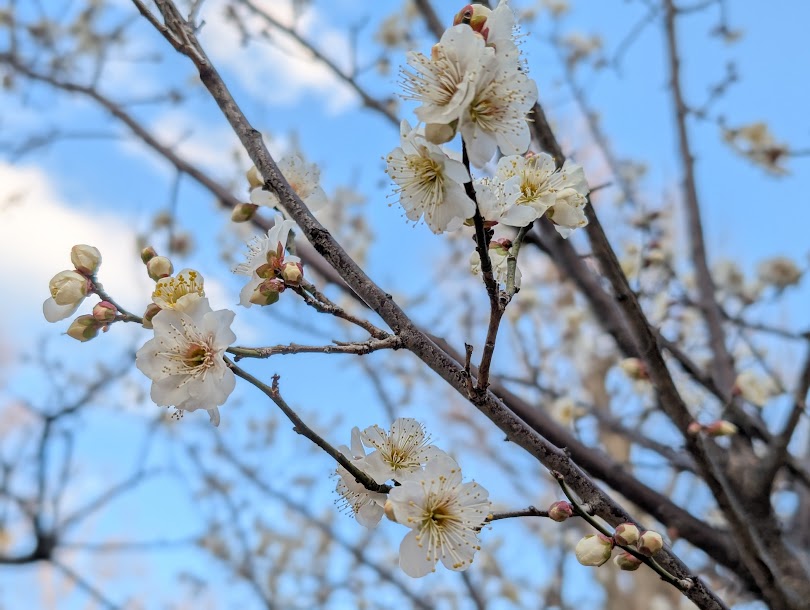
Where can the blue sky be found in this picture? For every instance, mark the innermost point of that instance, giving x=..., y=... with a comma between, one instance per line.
x=102, y=191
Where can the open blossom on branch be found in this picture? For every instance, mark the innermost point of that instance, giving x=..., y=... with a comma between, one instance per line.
x=366, y=505
x=303, y=177
x=542, y=186
x=400, y=453
x=185, y=360
x=445, y=82
x=430, y=182
x=444, y=515
x=265, y=259
x=496, y=116
x=498, y=203
x=179, y=292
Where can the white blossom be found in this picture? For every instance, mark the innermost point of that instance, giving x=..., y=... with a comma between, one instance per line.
x=568, y=212
x=755, y=388
x=444, y=515
x=430, y=182
x=185, y=360
x=366, y=505
x=400, y=453
x=540, y=182
x=496, y=115
x=497, y=203
x=779, y=272
x=304, y=178
x=68, y=289
x=445, y=82
x=263, y=251
x=179, y=292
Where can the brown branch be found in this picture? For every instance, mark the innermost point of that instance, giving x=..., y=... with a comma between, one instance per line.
x=339, y=347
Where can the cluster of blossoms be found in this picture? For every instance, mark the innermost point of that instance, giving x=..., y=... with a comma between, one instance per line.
x=475, y=84
x=443, y=514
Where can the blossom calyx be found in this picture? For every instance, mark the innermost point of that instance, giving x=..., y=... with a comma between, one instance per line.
x=83, y=328
x=86, y=259
x=649, y=543
x=560, y=511
x=158, y=267
x=627, y=562
x=594, y=550
x=242, y=212
x=626, y=534
x=104, y=312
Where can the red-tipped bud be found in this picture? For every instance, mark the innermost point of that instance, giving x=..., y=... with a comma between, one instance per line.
x=148, y=254
x=720, y=428
x=159, y=267
x=104, y=312
x=267, y=292
x=626, y=534
x=152, y=310
x=627, y=562
x=694, y=428
x=560, y=511
x=649, y=543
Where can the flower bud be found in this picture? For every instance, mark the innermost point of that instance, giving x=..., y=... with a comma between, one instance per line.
x=388, y=508
x=254, y=178
x=148, y=254
x=159, y=267
x=694, y=428
x=627, y=562
x=104, y=312
x=242, y=212
x=649, y=543
x=292, y=273
x=560, y=511
x=593, y=550
x=626, y=534
x=267, y=292
x=83, y=328
x=474, y=15
x=86, y=259
x=720, y=427
x=69, y=287
x=152, y=310
x=439, y=133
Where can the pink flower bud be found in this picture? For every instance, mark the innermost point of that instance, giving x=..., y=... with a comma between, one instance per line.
x=626, y=534
x=83, y=328
x=152, y=310
x=104, y=312
x=694, y=428
x=594, y=550
x=627, y=562
x=649, y=543
x=159, y=267
x=86, y=259
x=560, y=511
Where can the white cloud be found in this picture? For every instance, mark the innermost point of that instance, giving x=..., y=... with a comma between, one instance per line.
x=280, y=71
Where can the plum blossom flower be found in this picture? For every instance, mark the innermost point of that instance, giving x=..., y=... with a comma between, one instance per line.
x=185, y=360
x=779, y=272
x=568, y=212
x=400, y=453
x=68, y=289
x=445, y=82
x=755, y=388
x=496, y=115
x=444, y=515
x=265, y=257
x=303, y=177
x=429, y=182
x=497, y=203
x=180, y=291
x=540, y=182
x=366, y=505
